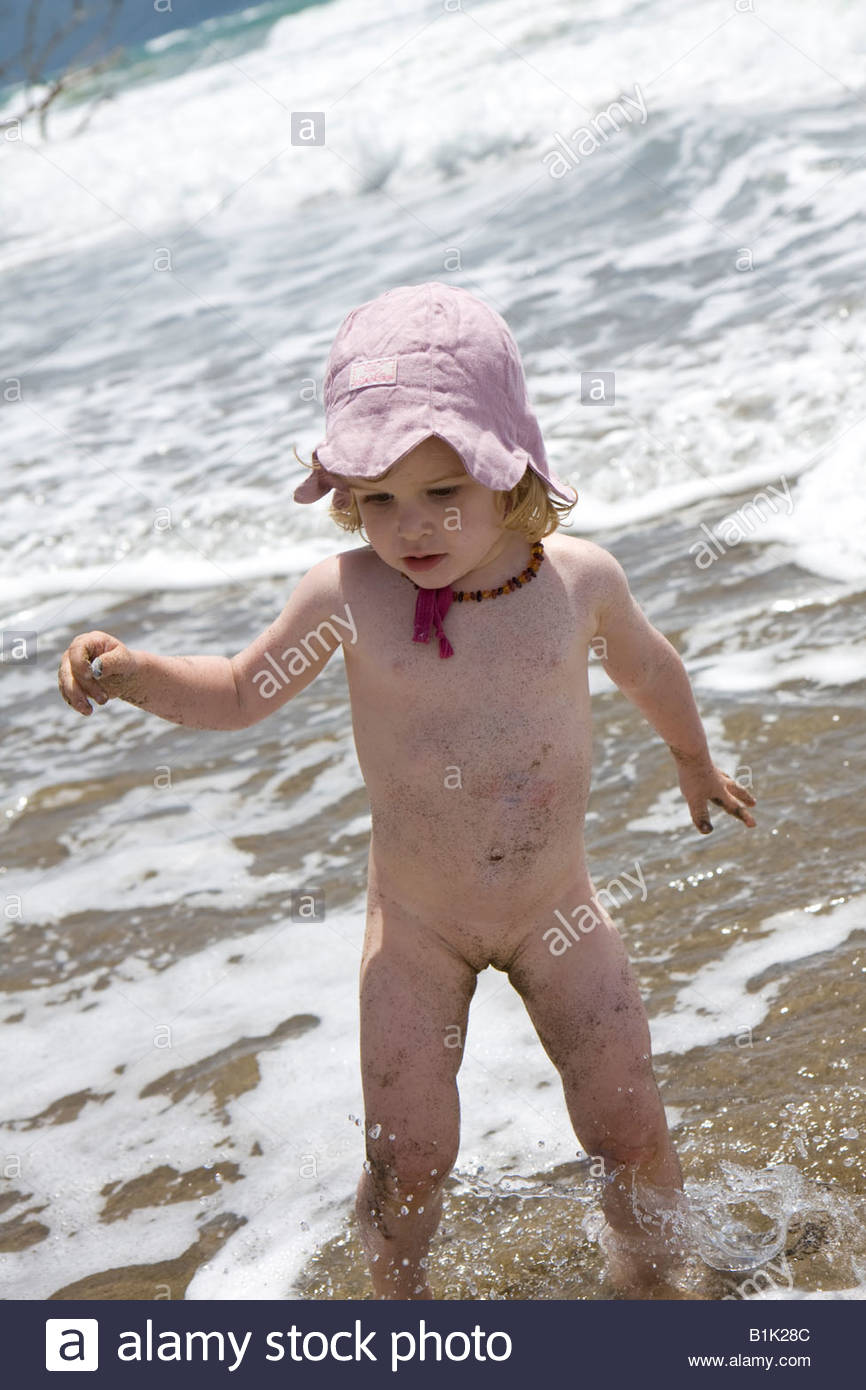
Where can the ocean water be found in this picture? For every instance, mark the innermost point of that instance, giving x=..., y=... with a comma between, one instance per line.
x=181, y=1110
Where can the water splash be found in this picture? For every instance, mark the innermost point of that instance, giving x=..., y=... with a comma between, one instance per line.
x=737, y=1221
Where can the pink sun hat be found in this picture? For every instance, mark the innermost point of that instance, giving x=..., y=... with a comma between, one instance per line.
x=423, y=360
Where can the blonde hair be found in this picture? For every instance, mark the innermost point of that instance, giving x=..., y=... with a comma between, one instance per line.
x=527, y=507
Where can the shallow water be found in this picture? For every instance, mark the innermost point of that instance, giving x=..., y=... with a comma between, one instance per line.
x=744, y=1233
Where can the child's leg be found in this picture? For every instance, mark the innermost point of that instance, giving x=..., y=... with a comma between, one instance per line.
x=415, y=995
x=586, y=1007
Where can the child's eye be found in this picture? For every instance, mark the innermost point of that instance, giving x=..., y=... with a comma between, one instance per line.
x=381, y=497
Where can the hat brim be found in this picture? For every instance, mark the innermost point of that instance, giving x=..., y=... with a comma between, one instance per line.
x=483, y=455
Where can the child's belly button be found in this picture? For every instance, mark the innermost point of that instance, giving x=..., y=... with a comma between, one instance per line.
x=492, y=883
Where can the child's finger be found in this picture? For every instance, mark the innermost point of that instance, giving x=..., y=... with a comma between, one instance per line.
x=75, y=689
x=71, y=691
x=734, y=789
x=734, y=809
x=743, y=793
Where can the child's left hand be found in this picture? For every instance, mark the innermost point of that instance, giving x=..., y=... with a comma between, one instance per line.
x=703, y=782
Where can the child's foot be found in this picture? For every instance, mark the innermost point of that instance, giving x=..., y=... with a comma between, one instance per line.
x=637, y=1265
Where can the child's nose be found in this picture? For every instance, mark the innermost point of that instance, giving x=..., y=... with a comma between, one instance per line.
x=412, y=523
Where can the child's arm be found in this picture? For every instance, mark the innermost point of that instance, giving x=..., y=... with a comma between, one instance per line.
x=648, y=669
x=194, y=690
x=289, y=654
x=213, y=692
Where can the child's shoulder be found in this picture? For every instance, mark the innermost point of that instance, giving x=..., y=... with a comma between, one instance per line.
x=362, y=577
x=593, y=576
x=581, y=559
x=592, y=558
x=576, y=548
x=359, y=563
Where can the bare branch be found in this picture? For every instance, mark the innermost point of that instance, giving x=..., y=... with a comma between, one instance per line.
x=76, y=72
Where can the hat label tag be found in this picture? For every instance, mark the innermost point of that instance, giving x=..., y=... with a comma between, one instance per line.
x=377, y=371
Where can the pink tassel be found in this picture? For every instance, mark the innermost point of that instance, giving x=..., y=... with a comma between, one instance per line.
x=431, y=606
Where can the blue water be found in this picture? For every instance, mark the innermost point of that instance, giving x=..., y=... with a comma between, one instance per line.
x=125, y=25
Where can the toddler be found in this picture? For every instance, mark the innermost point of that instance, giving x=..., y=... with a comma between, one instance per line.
x=466, y=623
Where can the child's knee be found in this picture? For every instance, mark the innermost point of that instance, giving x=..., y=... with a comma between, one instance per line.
x=624, y=1120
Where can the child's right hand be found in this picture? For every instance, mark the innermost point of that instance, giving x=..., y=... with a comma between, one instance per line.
x=76, y=678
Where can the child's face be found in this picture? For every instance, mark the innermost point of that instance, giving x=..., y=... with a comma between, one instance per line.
x=430, y=505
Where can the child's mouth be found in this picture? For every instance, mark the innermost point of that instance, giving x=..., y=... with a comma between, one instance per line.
x=423, y=562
